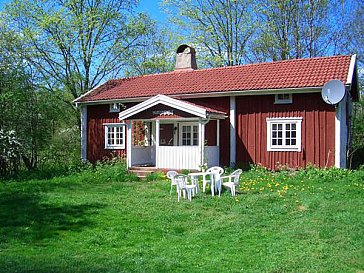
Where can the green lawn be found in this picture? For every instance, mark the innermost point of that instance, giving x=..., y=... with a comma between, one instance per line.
x=102, y=221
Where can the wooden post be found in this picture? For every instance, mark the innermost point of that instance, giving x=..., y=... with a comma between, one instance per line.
x=232, y=131
x=157, y=128
x=128, y=143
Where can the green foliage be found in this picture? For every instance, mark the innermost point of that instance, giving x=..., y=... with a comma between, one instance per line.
x=139, y=227
x=155, y=176
x=220, y=29
x=74, y=45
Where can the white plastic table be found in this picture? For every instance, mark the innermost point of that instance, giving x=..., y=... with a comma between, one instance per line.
x=194, y=179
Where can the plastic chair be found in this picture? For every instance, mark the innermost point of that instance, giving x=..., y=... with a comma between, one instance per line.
x=214, y=173
x=184, y=187
x=233, y=181
x=171, y=175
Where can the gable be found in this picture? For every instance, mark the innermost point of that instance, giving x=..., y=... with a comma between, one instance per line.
x=166, y=107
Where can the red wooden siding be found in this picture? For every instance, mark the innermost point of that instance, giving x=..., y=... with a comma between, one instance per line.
x=318, y=130
x=220, y=104
x=97, y=115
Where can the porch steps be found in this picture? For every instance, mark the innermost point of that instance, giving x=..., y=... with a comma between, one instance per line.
x=142, y=171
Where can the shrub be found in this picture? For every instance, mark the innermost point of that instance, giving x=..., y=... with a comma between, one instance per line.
x=10, y=152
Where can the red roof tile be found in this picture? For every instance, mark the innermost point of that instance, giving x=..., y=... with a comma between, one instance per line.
x=300, y=73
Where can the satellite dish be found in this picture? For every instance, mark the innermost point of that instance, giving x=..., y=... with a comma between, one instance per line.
x=333, y=91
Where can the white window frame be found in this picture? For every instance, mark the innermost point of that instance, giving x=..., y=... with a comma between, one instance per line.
x=287, y=100
x=114, y=146
x=190, y=124
x=284, y=148
x=114, y=107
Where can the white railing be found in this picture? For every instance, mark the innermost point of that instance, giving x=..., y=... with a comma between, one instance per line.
x=141, y=155
x=178, y=157
x=212, y=156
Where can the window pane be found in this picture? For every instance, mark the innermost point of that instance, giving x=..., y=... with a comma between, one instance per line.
x=293, y=142
x=293, y=126
x=274, y=142
x=279, y=141
x=279, y=126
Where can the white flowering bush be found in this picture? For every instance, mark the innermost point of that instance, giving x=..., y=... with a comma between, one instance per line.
x=10, y=152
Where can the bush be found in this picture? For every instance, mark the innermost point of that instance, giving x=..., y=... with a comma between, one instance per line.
x=10, y=152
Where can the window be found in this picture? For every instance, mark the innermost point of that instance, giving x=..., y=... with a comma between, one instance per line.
x=284, y=134
x=114, y=107
x=189, y=135
x=283, y=98
x=114, y=136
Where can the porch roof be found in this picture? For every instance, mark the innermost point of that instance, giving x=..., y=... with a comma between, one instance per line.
x=184, y=106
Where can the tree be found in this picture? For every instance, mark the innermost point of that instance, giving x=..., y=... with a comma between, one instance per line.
x=296, y=29
x=76, y=44
x=154, y=55
x=29, y=113
x=221, y=29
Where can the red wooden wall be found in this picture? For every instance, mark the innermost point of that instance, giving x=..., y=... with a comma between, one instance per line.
x=97, y=115
x=318, y=131
x=220, y=104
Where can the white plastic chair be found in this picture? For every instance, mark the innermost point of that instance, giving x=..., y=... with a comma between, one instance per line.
x=233, y=181
x=184, y=187
x=214, y=174
x=171, y=175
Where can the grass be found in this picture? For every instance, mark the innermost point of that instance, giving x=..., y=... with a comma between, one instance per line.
x=104, y=220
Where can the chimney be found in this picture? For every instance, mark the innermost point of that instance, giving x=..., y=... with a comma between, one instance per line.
x=186, y=58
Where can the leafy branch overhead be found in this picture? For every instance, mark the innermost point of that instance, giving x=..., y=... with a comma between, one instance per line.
x=77, y=44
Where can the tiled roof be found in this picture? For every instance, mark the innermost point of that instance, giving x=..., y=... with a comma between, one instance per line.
x=300, y=73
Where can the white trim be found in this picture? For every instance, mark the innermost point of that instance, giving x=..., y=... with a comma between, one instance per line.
x=157, y=129
x=277, y=100
x=108, y=146
x=340, y=134
x=84, y=133
x=128, y=144
x=232, y=131
x=250, y=92
x=351, y=69
x=165, y=100
x=85, y=94
x=191, y=124
x=201, y=144
x=283, y=147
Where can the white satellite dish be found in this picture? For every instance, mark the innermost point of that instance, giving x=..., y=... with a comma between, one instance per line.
x=333, y=91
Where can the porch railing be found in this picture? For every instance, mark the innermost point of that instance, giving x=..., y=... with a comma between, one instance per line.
x=178, y=157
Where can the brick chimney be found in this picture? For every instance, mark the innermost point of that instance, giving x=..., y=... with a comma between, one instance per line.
x=185, y=58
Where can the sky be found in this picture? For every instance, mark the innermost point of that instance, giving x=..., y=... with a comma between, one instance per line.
x=152, y=7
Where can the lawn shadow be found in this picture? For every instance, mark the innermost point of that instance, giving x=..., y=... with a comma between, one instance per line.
x=24, y=217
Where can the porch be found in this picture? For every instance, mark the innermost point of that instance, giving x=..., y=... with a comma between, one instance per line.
x=171, y=134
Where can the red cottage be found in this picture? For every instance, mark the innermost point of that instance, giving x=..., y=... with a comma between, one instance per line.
x=267, y=113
